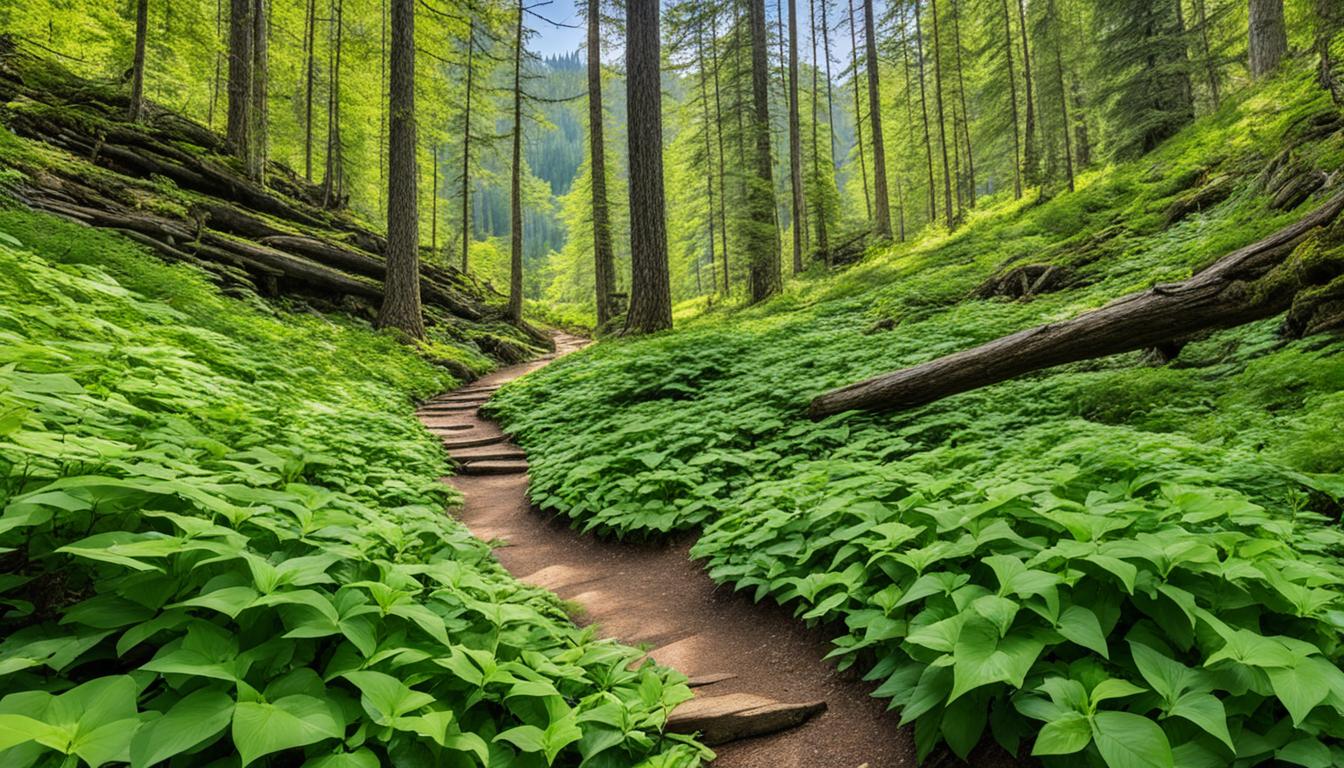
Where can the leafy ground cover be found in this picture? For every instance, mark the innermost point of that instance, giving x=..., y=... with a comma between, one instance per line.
x=1110, y=564
x=223, y=543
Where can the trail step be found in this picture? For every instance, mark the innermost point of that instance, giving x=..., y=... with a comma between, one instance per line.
x=456, y=397
x=434, y=408
x=472, y=442
x=494, y=468
x=710, y=679
x=437, y=428
x=733, y=716
x=501, y=454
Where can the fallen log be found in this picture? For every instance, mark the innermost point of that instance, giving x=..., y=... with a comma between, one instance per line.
x=1253, y=283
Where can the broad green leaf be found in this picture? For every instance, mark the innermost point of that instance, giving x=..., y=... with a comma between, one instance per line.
x=361, y=758
x=1300, y=688
x=1080, y=625
x=192, y=721
x=1064, y=736
x=981, y=657
x=261, y=728
x=1167, y=677
x=1113, y=688
x=1205, y=711
x=1126, y=740
x=386, y=698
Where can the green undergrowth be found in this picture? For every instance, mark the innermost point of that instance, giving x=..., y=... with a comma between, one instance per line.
x=223, y=543
x=1104, y=564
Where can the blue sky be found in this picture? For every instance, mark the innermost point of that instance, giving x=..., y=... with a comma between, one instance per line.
x=551, y=40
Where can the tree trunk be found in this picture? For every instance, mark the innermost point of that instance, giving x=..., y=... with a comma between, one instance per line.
x=1210, y=66
x=818, y=199
x=763, y=241
x=466, y=145
x=241, y=38
x=1083, y=142
x=1250, y=284
x=138, y=67
x=1063, y=93
x=1329, y=19
x=256, y=160
x=858, y=110
x=882, y=205
x=219, y=64
x=332, y=182
x=309, y=76
x=516, y=180
x=796, y=146
x=965, y=115
x=1012, y=95
x=1029, y=157
x=604, y=269
x=1268, y=35
x=434, y=199
x=942, y=120
x=382, y=100
x=924, y=115
x=650, y=285
x=718, y=125
x=401, y=294
x=709, y=148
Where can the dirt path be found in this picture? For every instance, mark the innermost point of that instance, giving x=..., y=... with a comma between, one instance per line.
x=655, y=596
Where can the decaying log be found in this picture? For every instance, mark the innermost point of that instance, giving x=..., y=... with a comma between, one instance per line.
x=1253, y=283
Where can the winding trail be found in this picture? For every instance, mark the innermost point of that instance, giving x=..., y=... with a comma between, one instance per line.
x=753, y=666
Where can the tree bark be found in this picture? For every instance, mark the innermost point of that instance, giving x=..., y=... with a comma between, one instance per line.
x=1268, y=36
x=219, y=65
x=942, y=120
x=796, y=145
x=256, y=160
x=965, y=115
x=332, y=179
x=924, y=115
x=138, y=67
x=650, y=285
x=818, y=199
x=401, y=300
x=604, y=266
x=466, y=145
x=1210, y=66
x=763, y=239
x=1329, y=19
x=309, y=78
x=718, y=125
x=1063, y=92
x=1249, y=284
x=1029, y=158
x=516, y=180
x=241, y=38
x=881, y=204
x=1012, y=96
x=709, y=148
x=858, y=110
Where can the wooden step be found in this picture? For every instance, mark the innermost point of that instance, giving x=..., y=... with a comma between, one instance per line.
x=733, y=716
x=472, y=442
x=494, y=468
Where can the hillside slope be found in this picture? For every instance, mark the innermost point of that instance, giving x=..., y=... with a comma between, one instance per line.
x=168, y=184
x=223, y=537
x=1135, y=560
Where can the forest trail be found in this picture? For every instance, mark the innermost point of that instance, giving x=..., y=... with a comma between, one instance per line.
x=742, y=657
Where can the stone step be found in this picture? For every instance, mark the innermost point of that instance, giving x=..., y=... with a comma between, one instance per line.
x=733, y=716
x=715, y=677
x=472, y=442
x=469, y=398
x=494, y=468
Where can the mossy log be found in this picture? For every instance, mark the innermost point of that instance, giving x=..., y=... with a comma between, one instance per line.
x=1256, y=282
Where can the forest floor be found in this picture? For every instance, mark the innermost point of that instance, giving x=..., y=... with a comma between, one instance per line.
x=651, y=594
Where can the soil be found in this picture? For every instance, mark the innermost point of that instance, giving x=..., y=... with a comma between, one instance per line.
x=654, y=596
